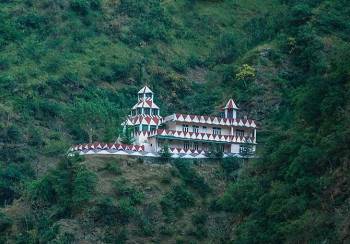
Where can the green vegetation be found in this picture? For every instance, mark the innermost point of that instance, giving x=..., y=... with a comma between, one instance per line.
x=70, y=70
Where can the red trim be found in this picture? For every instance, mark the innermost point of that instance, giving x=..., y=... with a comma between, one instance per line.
x=210, y=119
x=117, y=146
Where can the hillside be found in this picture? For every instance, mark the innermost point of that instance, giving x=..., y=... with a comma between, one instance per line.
x=70, y=69
x=128, y=199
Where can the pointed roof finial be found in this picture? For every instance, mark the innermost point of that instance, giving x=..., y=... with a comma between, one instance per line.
x=230, y=104
x=145, y=89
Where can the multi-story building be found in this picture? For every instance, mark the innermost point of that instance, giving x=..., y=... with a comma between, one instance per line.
x=187, y=134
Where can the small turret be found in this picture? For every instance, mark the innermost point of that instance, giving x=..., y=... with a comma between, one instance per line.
x=145, y=93
x=230, y=109
x=145, y=104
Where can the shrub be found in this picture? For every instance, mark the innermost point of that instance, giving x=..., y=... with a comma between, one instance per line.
x=5, y=222
x=13, y=134
x=215, y=152
x=146, y=226
x=175, y=200
x=167, y=230
x=191, y=177
x=165, y=153
x=119, y=236
x=69, y=187
x=126, y=210
x=105, y=211
x=129, y=192
x=230, y=166
x=199, y=218
x=113, y=167
x=226, y=49
x=80, y=6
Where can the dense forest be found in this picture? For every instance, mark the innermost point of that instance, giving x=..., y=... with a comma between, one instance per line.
x=70, y=70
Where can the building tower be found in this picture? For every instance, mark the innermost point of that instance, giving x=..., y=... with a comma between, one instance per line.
x=230, y=109
x=145, y=104
x=144, y=117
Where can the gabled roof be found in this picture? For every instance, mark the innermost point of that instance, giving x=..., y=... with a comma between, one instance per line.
x=145, y=89
x=230, y=104
x=211, y=120
x=143, y=119
x=147, y=103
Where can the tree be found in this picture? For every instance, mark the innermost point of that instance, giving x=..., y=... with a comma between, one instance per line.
x=127, y=138
x=165, y=153
x=245, y=73
x=69, y=187
x=214, y=151
x=246, y=149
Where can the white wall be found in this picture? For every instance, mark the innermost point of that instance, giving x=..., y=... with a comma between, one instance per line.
x=225, y=130
x=180, y=144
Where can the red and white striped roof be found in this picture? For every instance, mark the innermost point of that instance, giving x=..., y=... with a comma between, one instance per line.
x=230, y=105
x=144, y=119
x=147, y=103
x=210, y=120
x=107, y=146
x=145, y=89
x=198, y=136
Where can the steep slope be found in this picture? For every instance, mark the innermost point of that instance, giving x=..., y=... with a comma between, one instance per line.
x=70, y=69
x=127, y=200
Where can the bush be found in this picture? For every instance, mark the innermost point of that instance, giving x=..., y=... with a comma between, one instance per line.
x=165, y=153
x=80, y=6
x=129, y=192
x=13, y=134
x=105, y=211
x=175, y=200
x=230, y=166
x=226, y=49
x=69, y=187
x=191, y=177
x=113, y=167
x=126, y=210
x=5, y=222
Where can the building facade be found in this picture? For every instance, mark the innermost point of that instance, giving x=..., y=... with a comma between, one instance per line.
x=186, y=134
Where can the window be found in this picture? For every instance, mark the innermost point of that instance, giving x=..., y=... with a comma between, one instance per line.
x=186, y=145
x=147, y=111
x=185, y=128
x=153, y=127
x=133, y=112
x=216, y=131
x=230, y=113
x=144, y=127
x=204, y=129
x=195, y=146
x=148, y=95
x=239, y=133
x=155, y=111
x=136, y=128
x=204, y=146
x=222, y=148
x=139, y=111
x=195, y=128
x=140, y=96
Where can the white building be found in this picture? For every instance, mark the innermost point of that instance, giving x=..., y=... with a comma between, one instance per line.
x=186, y=135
